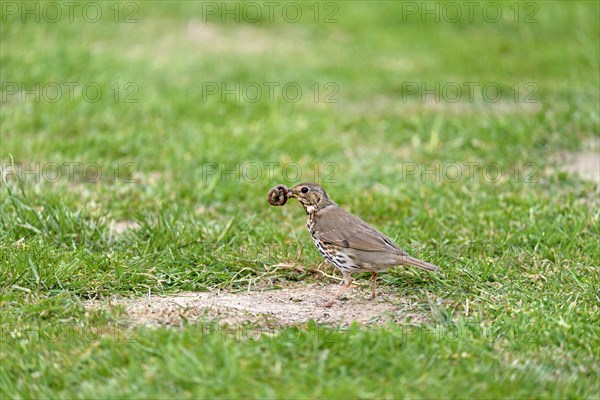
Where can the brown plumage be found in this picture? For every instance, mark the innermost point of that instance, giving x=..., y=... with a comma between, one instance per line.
x=346, y=241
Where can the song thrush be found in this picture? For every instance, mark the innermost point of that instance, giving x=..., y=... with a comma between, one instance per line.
x=345, y=240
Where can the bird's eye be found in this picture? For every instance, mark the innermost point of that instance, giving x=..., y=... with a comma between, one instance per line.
x=304, y=189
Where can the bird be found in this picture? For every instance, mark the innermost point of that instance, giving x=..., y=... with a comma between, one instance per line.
x=346, y=241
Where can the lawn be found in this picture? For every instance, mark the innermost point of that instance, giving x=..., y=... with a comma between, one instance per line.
x=445, y=126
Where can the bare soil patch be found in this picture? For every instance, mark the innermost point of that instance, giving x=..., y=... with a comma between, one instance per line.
x=292, y=305
x=242, y=39
x=122, y=226
x=584, y=164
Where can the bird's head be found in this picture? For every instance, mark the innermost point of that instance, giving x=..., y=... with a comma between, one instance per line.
x=311, y=195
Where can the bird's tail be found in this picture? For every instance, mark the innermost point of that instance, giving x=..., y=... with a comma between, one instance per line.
x=408, y=260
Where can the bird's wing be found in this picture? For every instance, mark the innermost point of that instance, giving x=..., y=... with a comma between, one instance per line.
x=339, y=227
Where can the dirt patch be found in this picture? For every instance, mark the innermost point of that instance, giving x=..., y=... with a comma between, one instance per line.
x=242, y=39
x=292, y=305
x=120, y=227
x=584, y=164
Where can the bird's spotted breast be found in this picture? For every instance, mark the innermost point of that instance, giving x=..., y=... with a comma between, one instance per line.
x=328, y=251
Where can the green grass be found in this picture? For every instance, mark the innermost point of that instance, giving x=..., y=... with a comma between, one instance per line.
x=519, y=309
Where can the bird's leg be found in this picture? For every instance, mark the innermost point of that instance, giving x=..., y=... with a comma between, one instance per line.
x=348, y=282
x=374, y=294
